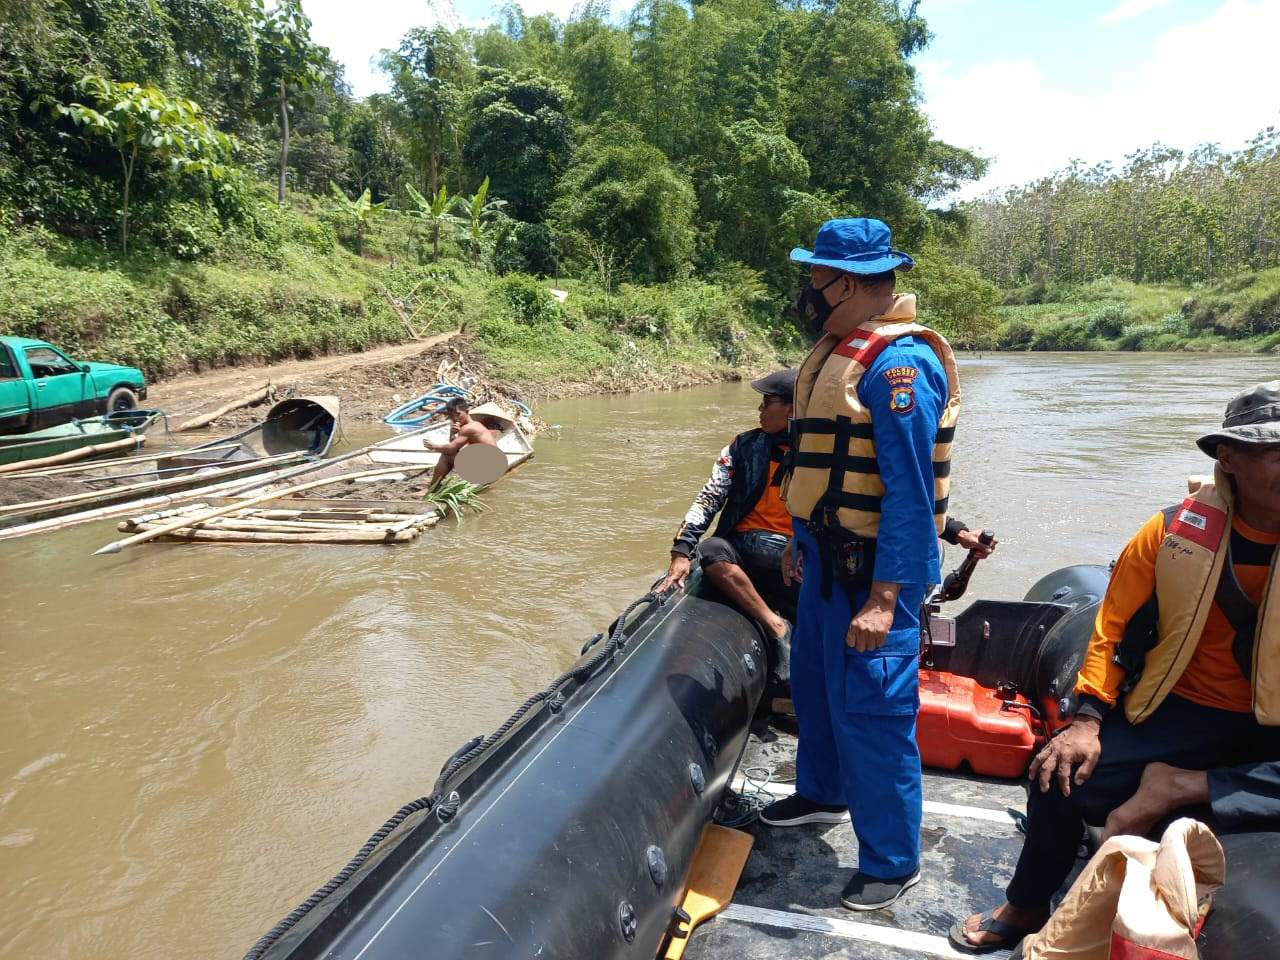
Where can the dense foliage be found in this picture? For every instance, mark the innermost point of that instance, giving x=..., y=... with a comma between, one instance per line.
x=167, y=162
x=683, y=140
x=1166, y=217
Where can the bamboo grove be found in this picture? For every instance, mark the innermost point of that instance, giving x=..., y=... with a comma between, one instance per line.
x=689, y=142
x=1165, y=217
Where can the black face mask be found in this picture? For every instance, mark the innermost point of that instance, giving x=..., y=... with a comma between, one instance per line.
x=813, y=305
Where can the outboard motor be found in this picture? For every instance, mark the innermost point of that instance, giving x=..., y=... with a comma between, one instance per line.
x=998, y=680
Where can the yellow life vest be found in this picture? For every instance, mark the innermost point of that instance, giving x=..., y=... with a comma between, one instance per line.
x=1190, y=561
x=832, y=429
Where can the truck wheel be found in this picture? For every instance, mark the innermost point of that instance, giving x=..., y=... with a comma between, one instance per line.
x=121, y=398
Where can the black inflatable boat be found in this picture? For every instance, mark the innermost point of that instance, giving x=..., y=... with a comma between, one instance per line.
x=570, y=832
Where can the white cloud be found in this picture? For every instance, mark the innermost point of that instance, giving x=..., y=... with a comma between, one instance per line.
x=356, y=33
x=1213, y=81
x=1131, y=8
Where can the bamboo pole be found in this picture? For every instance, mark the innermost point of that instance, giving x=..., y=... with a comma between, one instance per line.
x=116, y=462
x=118, y=545
x=219, y=488
x=139, y=487
x=325, y=536
x=78, y=454
x=247, y=401
x=255, y=523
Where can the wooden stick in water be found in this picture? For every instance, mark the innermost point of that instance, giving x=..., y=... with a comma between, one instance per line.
x=247, y=401
x=78, y=454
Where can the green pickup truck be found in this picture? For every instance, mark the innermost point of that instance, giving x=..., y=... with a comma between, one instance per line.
x=40, y=386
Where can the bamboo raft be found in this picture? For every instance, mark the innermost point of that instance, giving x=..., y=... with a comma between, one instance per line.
x=357, y=524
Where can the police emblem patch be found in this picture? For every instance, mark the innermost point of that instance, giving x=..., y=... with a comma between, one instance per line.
x=902, y=397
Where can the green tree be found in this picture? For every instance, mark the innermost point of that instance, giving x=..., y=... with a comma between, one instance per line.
x=428, y=76
x=376, y=154
x=852, y=105
x=143, y=121
x=289, y=63
x=623, y=196
x=759, y=186
x=519, y=133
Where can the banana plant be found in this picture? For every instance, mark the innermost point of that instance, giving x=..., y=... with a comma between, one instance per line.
x=435, y=213
x=360, y=211
x=477, y=213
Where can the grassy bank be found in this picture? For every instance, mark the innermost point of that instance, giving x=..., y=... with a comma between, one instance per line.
x=1240, y=315
x=303, y=292
x=294, y=287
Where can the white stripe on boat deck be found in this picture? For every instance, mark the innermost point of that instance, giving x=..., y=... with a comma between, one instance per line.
x=930, y=806
x=847, y=929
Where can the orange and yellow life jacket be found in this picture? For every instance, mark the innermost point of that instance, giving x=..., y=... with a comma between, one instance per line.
x=834, y=467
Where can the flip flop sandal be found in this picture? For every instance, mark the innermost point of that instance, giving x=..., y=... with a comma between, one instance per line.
x=1010, y=935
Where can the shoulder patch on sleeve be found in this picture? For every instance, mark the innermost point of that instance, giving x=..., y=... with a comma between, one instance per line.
x=902, y=397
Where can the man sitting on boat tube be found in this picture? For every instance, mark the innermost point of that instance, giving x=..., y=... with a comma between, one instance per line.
x=744, y=557
x=1164, y=723
x=465, y=431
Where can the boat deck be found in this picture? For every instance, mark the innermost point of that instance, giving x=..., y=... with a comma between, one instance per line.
x=787, y=903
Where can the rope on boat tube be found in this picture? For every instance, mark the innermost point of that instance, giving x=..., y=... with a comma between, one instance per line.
x=739, y=809
x=580, y=672
x=300, y=911
x=448, y=805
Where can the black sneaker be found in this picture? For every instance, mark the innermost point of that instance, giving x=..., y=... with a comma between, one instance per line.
x=864, y=892
x=795, y=810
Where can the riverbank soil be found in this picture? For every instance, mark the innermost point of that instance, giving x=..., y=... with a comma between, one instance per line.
x=369, y=385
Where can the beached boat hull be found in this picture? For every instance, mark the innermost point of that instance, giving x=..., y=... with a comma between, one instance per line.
x=399, y=458
x=65, y=437
x=294, y=431
x=573, y=834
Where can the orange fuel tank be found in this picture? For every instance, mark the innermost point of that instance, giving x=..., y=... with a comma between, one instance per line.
x=962, y=721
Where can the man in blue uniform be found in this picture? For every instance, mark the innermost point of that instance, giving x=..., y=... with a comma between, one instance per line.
x=875, y=408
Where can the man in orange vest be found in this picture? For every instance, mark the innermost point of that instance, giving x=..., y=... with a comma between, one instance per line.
x=1179, y=695
x=744, y=557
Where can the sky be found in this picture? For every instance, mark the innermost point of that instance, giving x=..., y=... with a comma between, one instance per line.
x=1030, y=84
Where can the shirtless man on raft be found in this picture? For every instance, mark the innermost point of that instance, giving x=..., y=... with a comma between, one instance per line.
x=465, y=431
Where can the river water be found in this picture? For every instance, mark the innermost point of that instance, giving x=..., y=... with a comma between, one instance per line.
x=197, y=737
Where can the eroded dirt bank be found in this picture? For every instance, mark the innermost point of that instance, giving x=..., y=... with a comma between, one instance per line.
x=372, y=384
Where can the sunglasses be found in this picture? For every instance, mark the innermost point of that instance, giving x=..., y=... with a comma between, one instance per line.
x=770, y=398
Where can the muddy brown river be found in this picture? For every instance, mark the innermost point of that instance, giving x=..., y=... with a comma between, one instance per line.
x=195, y=737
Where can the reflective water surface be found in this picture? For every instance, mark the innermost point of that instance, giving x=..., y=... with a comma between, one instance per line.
x=195, y=737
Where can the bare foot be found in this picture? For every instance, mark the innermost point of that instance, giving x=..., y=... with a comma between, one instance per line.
x=1162, y=789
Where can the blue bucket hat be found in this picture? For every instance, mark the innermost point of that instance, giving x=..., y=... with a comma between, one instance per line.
x=855, y=245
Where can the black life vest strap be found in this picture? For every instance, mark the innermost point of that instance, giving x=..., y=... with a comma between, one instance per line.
x=824, y=511
x=1240, y=611
x=1142, y=632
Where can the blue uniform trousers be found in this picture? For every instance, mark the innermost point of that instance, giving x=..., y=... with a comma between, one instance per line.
x=857, y=718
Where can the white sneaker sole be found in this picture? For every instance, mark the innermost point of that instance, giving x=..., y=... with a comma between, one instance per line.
x=821, y=816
